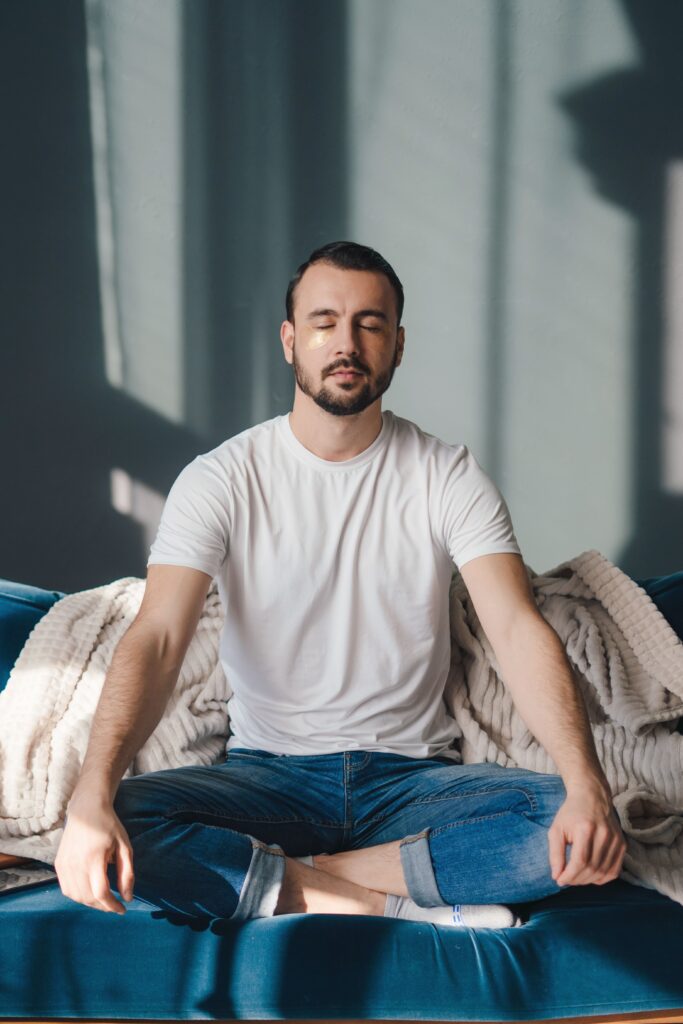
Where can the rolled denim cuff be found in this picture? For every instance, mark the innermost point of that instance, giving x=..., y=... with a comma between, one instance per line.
x=418, y=870
x=263, y=881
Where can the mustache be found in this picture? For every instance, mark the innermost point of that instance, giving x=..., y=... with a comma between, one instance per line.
x=337, y=369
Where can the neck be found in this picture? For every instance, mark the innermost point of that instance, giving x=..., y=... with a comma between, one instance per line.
x=335, y=438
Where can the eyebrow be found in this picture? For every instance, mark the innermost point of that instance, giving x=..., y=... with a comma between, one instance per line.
x=361, y=312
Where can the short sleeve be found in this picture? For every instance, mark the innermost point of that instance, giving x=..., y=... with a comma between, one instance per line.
x=475, y=516
x=195, y=522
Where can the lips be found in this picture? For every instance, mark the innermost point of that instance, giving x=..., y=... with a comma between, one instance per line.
x=347, y=374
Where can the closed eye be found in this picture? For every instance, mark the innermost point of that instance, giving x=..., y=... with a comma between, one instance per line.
x=326, y=327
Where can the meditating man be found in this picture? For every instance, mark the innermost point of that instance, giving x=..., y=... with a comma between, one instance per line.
x=333, y=532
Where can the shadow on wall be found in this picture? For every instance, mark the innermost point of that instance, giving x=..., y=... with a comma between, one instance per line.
x=65, y=427
x=628, y=131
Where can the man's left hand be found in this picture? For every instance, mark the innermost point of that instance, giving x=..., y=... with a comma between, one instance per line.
x=589, y=822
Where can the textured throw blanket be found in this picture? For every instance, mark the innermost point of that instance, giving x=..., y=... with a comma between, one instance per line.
x=51, y=695
x=627, y=660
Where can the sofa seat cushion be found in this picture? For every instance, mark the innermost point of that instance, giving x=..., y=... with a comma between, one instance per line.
x=590, y=950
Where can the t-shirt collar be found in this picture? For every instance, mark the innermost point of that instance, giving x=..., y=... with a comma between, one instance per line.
x=303, y=453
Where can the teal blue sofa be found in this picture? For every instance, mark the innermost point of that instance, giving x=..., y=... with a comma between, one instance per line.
x=591, y=952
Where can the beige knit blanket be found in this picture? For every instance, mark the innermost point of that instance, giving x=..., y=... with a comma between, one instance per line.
x=48, y=704
x=628, y=662
x=627, y=659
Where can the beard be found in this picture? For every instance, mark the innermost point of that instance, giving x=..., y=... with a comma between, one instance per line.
x=342, y=398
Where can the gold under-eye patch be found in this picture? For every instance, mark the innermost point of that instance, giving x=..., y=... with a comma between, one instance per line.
x=316, y=338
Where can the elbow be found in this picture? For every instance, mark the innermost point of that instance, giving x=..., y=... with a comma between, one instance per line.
x=527, y=631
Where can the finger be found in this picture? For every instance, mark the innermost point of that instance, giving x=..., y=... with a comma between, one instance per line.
x=101, y=895
x=598, y=870
x=65, y=882
x=615, y=859
x=580, y=857
x=622, y=851
x=556, y=850
x=613, y=850
x=601, y=853
x=71, y=885
x=77, y=888
x=124, y=864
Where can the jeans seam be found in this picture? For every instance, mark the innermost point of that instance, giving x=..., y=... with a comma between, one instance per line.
x=228, y=817
x=371, y=821
x=468, y=821
x=244, y=753
x=480, y=792
x=347, y=799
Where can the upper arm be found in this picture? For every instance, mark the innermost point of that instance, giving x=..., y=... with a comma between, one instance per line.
x=475, y=519
x=191, y=544
x=480, y=538
x=502, y=595
x=171, y=607
x=196, y=520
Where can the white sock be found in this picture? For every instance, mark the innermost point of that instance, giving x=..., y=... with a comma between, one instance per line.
x=467, y=915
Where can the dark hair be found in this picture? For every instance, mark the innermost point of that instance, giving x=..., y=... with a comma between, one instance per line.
x=347, y=256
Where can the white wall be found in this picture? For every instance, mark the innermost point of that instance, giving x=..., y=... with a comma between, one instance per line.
x=518, y=276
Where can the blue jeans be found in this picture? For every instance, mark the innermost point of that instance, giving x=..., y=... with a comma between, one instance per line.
x=211, y=841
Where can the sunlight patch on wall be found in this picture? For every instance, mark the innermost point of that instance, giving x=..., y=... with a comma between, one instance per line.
x=672, y=354
x=134, y=499
x=113, y=353
x=135, y=94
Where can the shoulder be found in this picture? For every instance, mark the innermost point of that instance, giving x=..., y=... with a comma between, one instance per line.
x=455, y=472
x=411, y=437
x=226, y=461
x=213, y=483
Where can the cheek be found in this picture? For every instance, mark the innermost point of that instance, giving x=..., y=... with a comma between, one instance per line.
x=315, y=339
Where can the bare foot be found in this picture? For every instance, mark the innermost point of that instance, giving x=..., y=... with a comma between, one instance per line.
x=307, y=891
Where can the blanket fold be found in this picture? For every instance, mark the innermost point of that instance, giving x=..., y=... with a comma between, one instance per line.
x=51, y=695
x=628, y=664
x=627, y=660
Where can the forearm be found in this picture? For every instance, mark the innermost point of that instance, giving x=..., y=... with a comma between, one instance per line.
x=136, y=690
x=540, y=678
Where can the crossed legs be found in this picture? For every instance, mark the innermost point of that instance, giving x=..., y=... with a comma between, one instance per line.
x=501, y=836
x=223, y=840
x=342, y=883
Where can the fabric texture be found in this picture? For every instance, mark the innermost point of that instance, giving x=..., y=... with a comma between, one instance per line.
x=53, y=688
x=590, y=950
x=628, y=662
x=627, y=658
x=366, y=545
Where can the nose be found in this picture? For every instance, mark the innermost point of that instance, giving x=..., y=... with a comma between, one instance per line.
x=346, y=343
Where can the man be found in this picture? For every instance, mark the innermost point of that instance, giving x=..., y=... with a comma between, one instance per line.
x=332, y=533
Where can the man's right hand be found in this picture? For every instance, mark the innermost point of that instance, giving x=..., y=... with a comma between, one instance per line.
x=93, y=838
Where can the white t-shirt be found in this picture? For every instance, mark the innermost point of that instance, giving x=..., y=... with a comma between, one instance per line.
x=334, y=578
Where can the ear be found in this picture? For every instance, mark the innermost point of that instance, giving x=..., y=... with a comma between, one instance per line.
x=287, y=339
x=400, y=343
